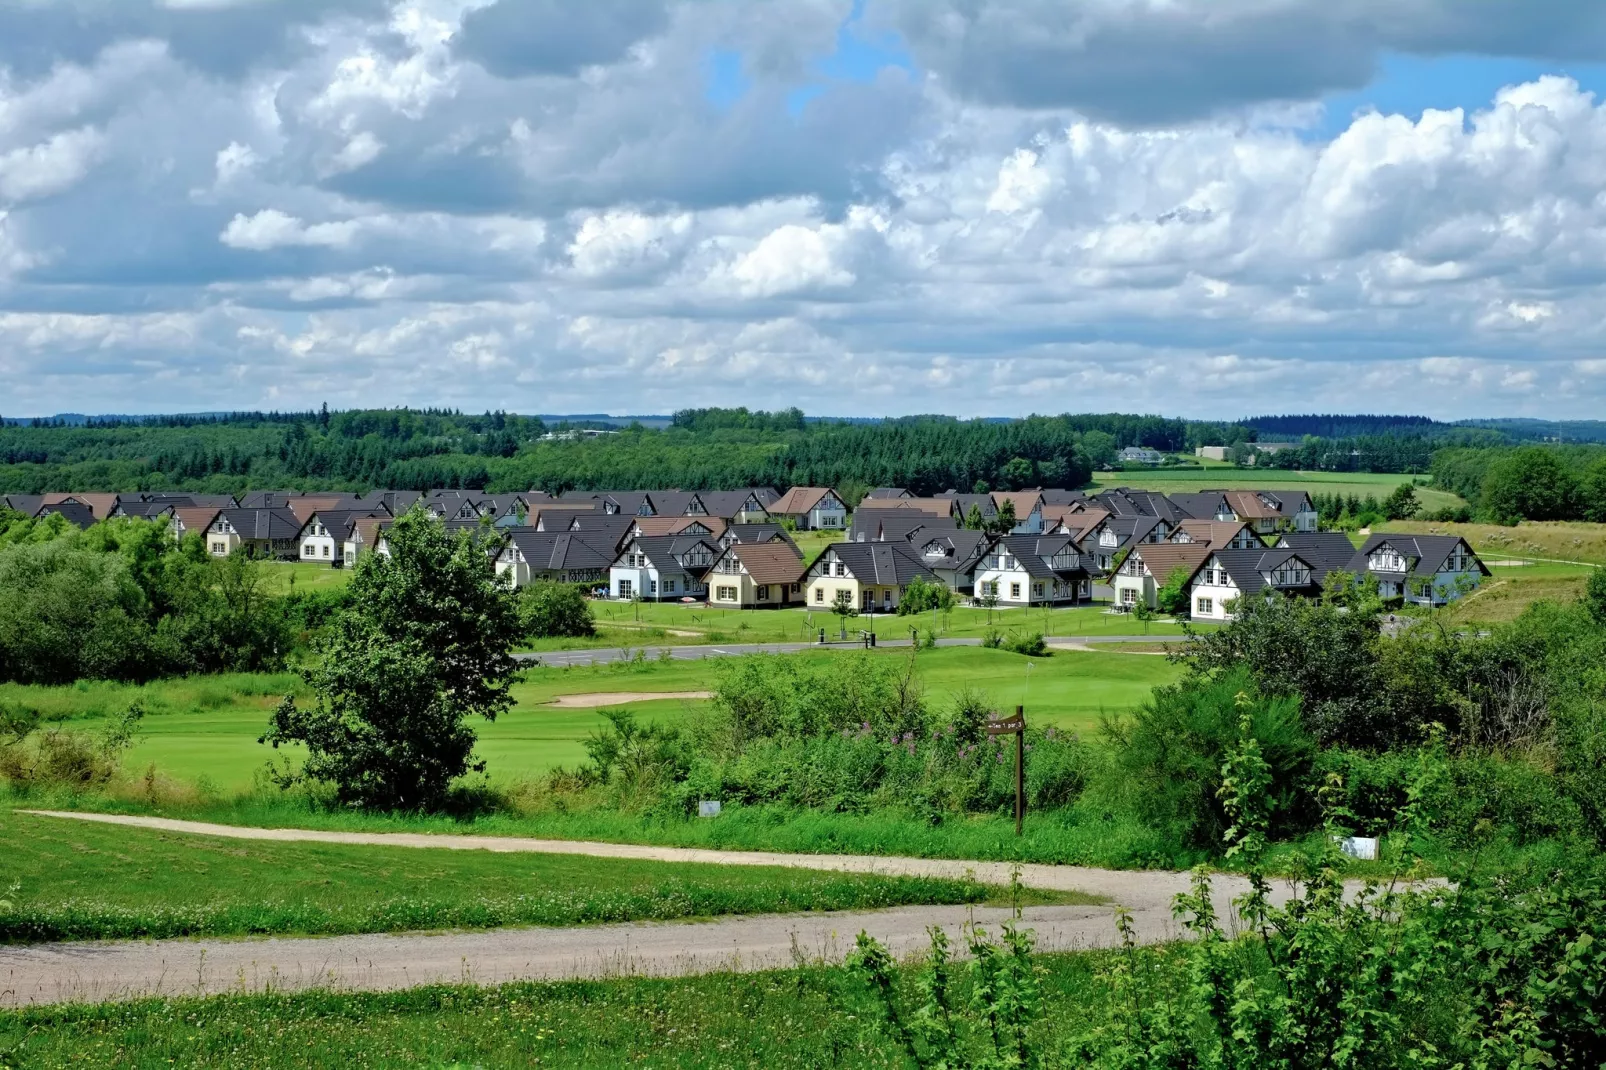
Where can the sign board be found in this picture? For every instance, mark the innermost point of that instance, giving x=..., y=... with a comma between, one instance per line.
x=1362, y=847
x=708, y=808
x=1007, y=727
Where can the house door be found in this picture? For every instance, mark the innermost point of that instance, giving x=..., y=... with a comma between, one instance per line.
x=886, y=601
x=868, y=600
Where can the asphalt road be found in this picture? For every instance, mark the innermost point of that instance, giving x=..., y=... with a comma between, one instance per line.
x=91, y=971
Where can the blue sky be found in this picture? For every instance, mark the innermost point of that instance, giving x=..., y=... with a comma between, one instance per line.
x=863, y=207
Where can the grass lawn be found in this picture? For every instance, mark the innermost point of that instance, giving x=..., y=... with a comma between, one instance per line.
x=86, y=881
x=282, y=577
x=1562, y=540
x=790, y=1018
x=1360, y=484
x=674, y=624
x=208, y=726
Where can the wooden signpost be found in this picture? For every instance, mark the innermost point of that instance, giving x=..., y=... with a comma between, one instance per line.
x=1015, y=725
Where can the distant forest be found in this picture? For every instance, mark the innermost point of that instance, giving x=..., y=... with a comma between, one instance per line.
x=702, y=448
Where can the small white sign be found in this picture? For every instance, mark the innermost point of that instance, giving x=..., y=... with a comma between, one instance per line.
x=708, y=808
x=1361, y=847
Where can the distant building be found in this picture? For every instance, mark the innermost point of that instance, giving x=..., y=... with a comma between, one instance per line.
x=1140, y=455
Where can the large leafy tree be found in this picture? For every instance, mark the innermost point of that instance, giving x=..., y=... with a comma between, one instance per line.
x=423, y=647
x=1530, y=484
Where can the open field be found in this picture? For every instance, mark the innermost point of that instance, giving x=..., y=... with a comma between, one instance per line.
x=1378, y=484
x=1513, y=588
x=80, y=880
x=1562, y=540
x=208, y=726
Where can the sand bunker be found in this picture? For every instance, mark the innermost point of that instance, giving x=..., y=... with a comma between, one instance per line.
x=619, y=698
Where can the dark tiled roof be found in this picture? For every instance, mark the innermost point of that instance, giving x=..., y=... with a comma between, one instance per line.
x=1330, y=549
x=759, y=533
x=885, y=563
x=75, y=513
x=560, y=551
x=961, y=547
x=1248, y=568
x=1034, y=552
x=727, y=503
x=269, y=523
x=1425, y=554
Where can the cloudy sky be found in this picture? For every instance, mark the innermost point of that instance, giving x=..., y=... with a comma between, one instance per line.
x=983, y=207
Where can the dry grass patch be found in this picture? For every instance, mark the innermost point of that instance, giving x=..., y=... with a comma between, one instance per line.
x=1562, y=540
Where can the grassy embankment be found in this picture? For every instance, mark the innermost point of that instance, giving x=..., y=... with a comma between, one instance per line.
x=78, y=880
x=790, y=1018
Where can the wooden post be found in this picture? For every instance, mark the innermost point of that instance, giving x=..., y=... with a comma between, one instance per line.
x=1015, y=726
x=1020, y=769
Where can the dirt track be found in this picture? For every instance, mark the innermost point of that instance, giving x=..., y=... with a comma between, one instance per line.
x=53, y=973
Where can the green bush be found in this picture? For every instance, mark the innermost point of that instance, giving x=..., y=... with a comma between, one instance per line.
x=548, y=609
x=1031, y=644
x=1166, y=759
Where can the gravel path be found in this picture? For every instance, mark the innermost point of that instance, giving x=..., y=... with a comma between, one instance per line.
x=607, y=655
x=53, y=973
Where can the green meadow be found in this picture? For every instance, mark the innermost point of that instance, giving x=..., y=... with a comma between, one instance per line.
x=205, y=729
x=1360, y=484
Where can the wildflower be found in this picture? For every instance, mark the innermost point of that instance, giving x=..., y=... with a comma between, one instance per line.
x=907, y=736
x=1049, y=732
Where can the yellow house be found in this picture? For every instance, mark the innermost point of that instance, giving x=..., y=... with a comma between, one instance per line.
x=874, y=575
x=755, y=574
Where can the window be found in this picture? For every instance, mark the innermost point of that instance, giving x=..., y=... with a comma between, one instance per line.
x=1014, y=590
x=627, y=589
x=1037, y=589
x=819, y=595
x=308, y=550
x=725, y=594
x=841, y=569
x=220, y=547
x=326, y=550
x=652, y=586
x=1205, y=607
x=762, y=592
x=1128, y=596
x=669, y=586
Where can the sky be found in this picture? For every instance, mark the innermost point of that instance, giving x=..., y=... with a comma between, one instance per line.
x=1205, y=208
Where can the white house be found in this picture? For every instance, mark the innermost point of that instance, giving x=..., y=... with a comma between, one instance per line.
x=1149, y=567
x=811, y=509
x=1426, y=570
x=1230, y=575
x=1024, y=570
x=662, y=568
x=1141, y=455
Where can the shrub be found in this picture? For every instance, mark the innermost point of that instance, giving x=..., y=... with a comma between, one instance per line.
x=922, y=596
x=1166, y=760
x=1031, y=644
x=548, y=609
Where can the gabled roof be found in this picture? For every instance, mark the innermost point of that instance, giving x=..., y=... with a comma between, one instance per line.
x=1024, y=501
x=768, y=562
x=674, y=525
x=1205, y=505
x=961, y=547
x=397, y=501
x=983, y=502
x=1425, y=554
x=266, y=499
x=885, y=563
x=183, y=499
x=1076, y=524
x=100, y=506
x=340, y=521
x=1034, y=552
x=727, y=503
x=1212, y=532
x=272, y=523
x=555, y=516
x=559, y=551
x=26, y=504
x=74, y=512
x=1332, y=549
x=303, y=507
x=676, y=502
x=1162, y=558
x=663, y=550
x=614, y=528
x=1249, y=568
x=1124, y=501
x=1056, y=496
x=759, y=533
x=875, y=525
x=195, y=517
x=889, y=492
x=367, y=529
x=799, y=500
x=932, y=506
x=623, y=501
x=145, y=509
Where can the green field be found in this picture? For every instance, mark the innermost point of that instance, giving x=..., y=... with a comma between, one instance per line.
x=674, y=624
x=207, y=727
x=1360, y=484
x=1513, y=588
x=80, y=880
x=282, y=577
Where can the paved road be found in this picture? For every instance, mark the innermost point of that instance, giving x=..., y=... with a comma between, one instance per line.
x=53, y=973
x=607, y=655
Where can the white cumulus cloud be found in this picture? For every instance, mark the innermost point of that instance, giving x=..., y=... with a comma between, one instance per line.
x=271, y=229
